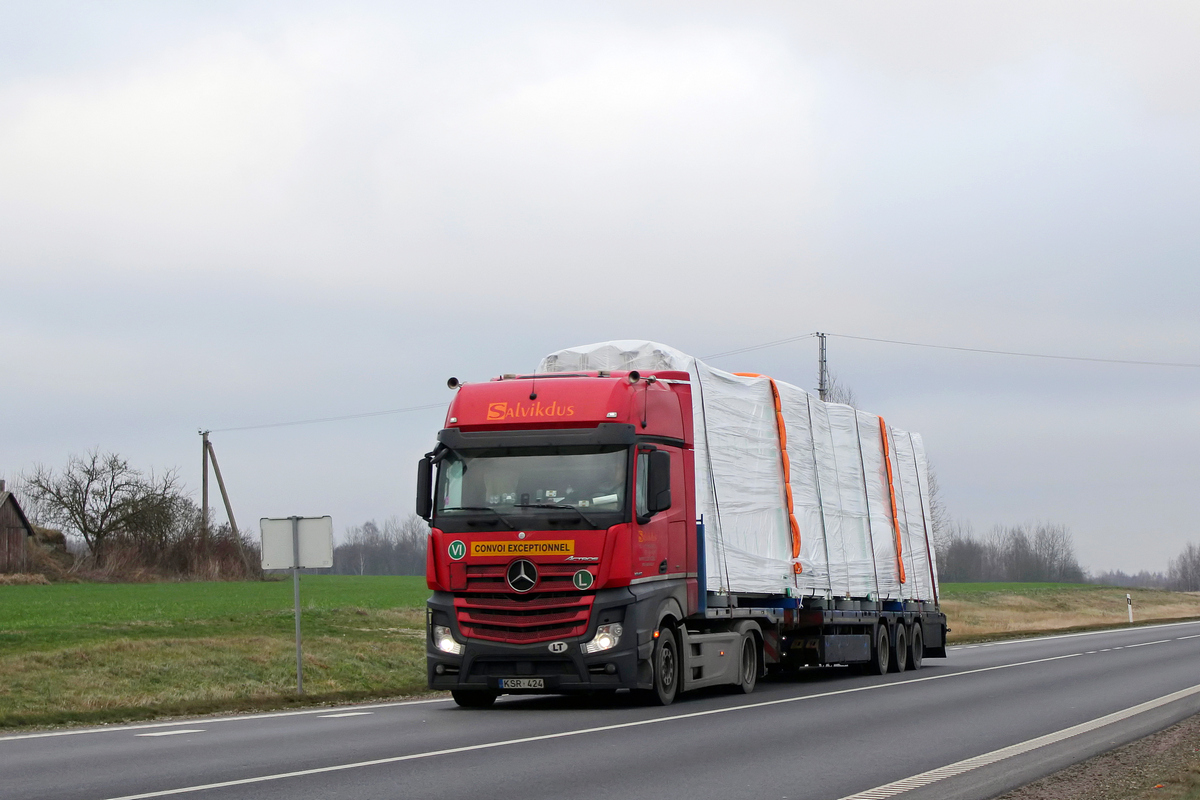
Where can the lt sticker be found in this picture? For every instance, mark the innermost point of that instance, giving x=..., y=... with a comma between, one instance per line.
x=582, y=580
x=558, y=647
x=456, y=550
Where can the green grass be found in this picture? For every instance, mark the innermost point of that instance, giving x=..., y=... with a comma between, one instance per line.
x=103, y=652
x=956, y=590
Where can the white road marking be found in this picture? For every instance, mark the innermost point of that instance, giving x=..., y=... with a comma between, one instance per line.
x=1073, y=635
x=966, y=765
x=1147, y=644
x=1193, y=636
x=213, y=721
x=172, y=733
x=580, y=731
x=346, y=714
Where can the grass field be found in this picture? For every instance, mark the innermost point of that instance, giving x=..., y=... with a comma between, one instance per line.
x=107, y=652
x=102, y=652
x=989, y=610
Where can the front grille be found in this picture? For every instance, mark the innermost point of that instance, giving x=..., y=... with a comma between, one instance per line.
x=523, y=619
x=491, y=577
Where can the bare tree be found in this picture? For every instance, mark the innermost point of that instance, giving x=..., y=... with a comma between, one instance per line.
x=838, y=392
x=100, y=497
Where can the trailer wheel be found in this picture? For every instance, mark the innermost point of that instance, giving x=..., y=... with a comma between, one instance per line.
x=879, y=655
x=665, y=662
x=470, y=699
x=749, y=664
x=916, y=650
x=899, y=652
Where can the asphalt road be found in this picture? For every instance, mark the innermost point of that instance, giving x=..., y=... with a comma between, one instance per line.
x=986, y=719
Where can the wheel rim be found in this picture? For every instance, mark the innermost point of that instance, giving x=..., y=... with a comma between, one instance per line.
x=667, y=666
x=884, y=656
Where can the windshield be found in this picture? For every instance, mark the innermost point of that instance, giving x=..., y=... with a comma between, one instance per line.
x=512, y=481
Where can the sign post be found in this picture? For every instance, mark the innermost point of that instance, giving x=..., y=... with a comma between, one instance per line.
x=297, y=543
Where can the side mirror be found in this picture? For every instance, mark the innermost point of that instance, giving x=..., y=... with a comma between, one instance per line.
x=658, y=487
x=425, y=488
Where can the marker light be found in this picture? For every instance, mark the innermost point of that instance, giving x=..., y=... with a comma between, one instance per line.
x=444, y=640
x=607, y=637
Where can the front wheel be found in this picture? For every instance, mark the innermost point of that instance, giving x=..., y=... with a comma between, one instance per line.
x=666, y=669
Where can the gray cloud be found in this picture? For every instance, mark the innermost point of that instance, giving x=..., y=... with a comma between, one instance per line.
x=222, y=216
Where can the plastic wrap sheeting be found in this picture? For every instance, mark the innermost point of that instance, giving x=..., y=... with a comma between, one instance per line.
x=856, y=537
x=883, y=532
x=839, y=480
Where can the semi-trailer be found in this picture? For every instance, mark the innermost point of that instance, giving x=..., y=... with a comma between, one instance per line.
x=628, y=517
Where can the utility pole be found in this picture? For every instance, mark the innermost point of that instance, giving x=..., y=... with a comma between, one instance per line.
x=233, y=528
x=822, y=369
x=204, y=492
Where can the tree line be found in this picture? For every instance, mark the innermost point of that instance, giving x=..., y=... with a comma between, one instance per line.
x=397, y=547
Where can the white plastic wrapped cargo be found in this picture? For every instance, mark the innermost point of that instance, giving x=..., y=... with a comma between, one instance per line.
x=815, y=576
x=744, y=464
x=838, y=480
x=923, y=472
x=856, y=540
x=879, y=500
x=911, y=505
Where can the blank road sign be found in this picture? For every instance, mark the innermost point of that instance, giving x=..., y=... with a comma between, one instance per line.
x=316, y=543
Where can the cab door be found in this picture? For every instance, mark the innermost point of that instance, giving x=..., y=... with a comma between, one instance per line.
x=651, y=534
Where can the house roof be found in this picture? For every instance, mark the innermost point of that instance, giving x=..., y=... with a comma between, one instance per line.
x=6, y=497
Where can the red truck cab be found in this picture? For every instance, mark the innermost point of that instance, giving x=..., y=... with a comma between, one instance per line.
x=563, y=533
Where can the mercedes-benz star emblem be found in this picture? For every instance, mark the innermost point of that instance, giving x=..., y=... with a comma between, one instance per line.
x=522, y=575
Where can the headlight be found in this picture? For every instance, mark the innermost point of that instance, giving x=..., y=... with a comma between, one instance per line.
x=607, y=637
x=444, y=640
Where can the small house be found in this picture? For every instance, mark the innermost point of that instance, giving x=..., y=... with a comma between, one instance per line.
x=16, y=534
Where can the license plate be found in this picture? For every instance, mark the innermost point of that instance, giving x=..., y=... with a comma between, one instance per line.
x=522, y=683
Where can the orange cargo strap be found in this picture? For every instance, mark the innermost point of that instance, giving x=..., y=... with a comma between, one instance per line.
x=892, y=492
x=787, y=468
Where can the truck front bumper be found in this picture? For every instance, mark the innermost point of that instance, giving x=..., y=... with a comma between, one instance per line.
x=483, y=664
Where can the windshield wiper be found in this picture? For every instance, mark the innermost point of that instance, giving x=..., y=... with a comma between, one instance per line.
x=578, y=511
x=499, y=516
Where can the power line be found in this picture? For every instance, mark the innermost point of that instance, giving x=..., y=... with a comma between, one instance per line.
x=1023, y=355
x=329, y=419
x=760, y=346
x=752, y=348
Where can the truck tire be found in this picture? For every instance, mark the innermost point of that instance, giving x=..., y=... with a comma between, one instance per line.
x=880, y=652
x=748, y=677
x=916, y=649
x=899, y=654
x=473, y=699
x=665, y=665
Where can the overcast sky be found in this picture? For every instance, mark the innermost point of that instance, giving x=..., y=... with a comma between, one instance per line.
x=228, y=214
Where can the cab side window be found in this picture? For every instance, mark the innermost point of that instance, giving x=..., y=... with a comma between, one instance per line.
x=643, y=474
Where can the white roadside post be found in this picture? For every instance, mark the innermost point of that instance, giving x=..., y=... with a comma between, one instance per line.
x=1129, y=603
x=297, y=543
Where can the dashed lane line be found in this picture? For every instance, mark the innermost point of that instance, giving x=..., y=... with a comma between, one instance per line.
x=346, y=714
x=966, y=765
x=214, y=720
x=172, y=733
